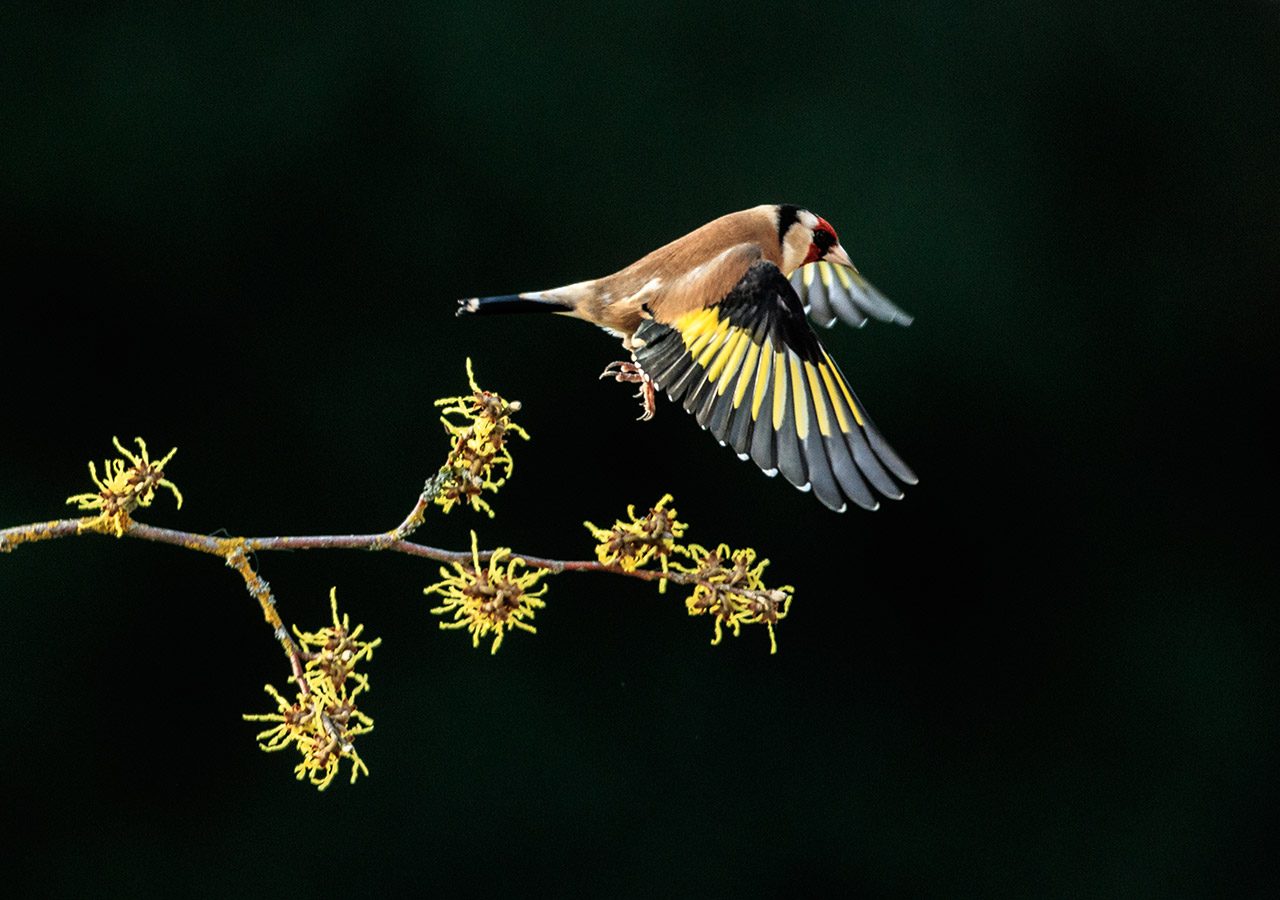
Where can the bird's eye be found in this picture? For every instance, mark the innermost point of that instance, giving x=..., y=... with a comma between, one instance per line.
x=823, y=239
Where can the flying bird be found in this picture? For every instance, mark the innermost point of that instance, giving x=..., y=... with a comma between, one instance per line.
x=717, y=319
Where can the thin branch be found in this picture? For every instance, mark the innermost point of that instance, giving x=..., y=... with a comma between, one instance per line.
x=261, y=591
x=235, y=550
x=223, y=546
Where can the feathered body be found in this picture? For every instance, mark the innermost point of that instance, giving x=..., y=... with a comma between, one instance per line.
x=712, y=319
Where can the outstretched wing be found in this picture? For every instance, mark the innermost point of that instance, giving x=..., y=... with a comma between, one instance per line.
x=830, y=292
x=753, y=373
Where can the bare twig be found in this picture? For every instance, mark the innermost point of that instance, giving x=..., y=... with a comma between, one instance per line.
x=223, y=546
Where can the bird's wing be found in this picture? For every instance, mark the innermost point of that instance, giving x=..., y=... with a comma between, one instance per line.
x=705, y=282
x=753, y=373
x=830, y=292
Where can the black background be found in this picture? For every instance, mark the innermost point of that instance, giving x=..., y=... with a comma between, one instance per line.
x=242, y=232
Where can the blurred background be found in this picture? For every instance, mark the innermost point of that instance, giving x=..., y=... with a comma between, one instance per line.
x=242, y=231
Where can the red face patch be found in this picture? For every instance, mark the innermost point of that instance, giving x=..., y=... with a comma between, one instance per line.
x=824, y=238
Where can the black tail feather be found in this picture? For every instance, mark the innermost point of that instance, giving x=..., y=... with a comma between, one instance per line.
x=508, y=303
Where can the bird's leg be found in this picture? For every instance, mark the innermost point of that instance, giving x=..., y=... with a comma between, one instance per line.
x=632, y=373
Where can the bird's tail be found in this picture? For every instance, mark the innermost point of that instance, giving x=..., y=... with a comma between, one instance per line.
x=512, y=303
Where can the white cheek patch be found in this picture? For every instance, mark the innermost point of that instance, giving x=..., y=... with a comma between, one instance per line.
x=807, y=219
x=795, y=249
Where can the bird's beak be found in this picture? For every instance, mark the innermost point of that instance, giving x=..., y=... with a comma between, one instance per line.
x=837, y=255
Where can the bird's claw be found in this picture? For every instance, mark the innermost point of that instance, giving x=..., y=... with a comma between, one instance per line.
x=630, y=372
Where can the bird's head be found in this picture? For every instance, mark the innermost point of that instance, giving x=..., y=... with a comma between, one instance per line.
x=807, y=238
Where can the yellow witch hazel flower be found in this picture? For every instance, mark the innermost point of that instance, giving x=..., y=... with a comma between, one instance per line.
x=323, y=721
x=729, y=588
x=126, y=484
x=633, y=545
x=332, y=653
x=489, y=599
x=322, y=728
x=478, y=424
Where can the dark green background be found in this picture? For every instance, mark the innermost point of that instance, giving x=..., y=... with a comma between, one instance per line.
x=1044, y=672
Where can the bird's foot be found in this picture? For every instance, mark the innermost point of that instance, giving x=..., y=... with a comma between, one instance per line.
x=631, y=373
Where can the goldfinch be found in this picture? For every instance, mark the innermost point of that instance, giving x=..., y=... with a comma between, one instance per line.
x=717, y=319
